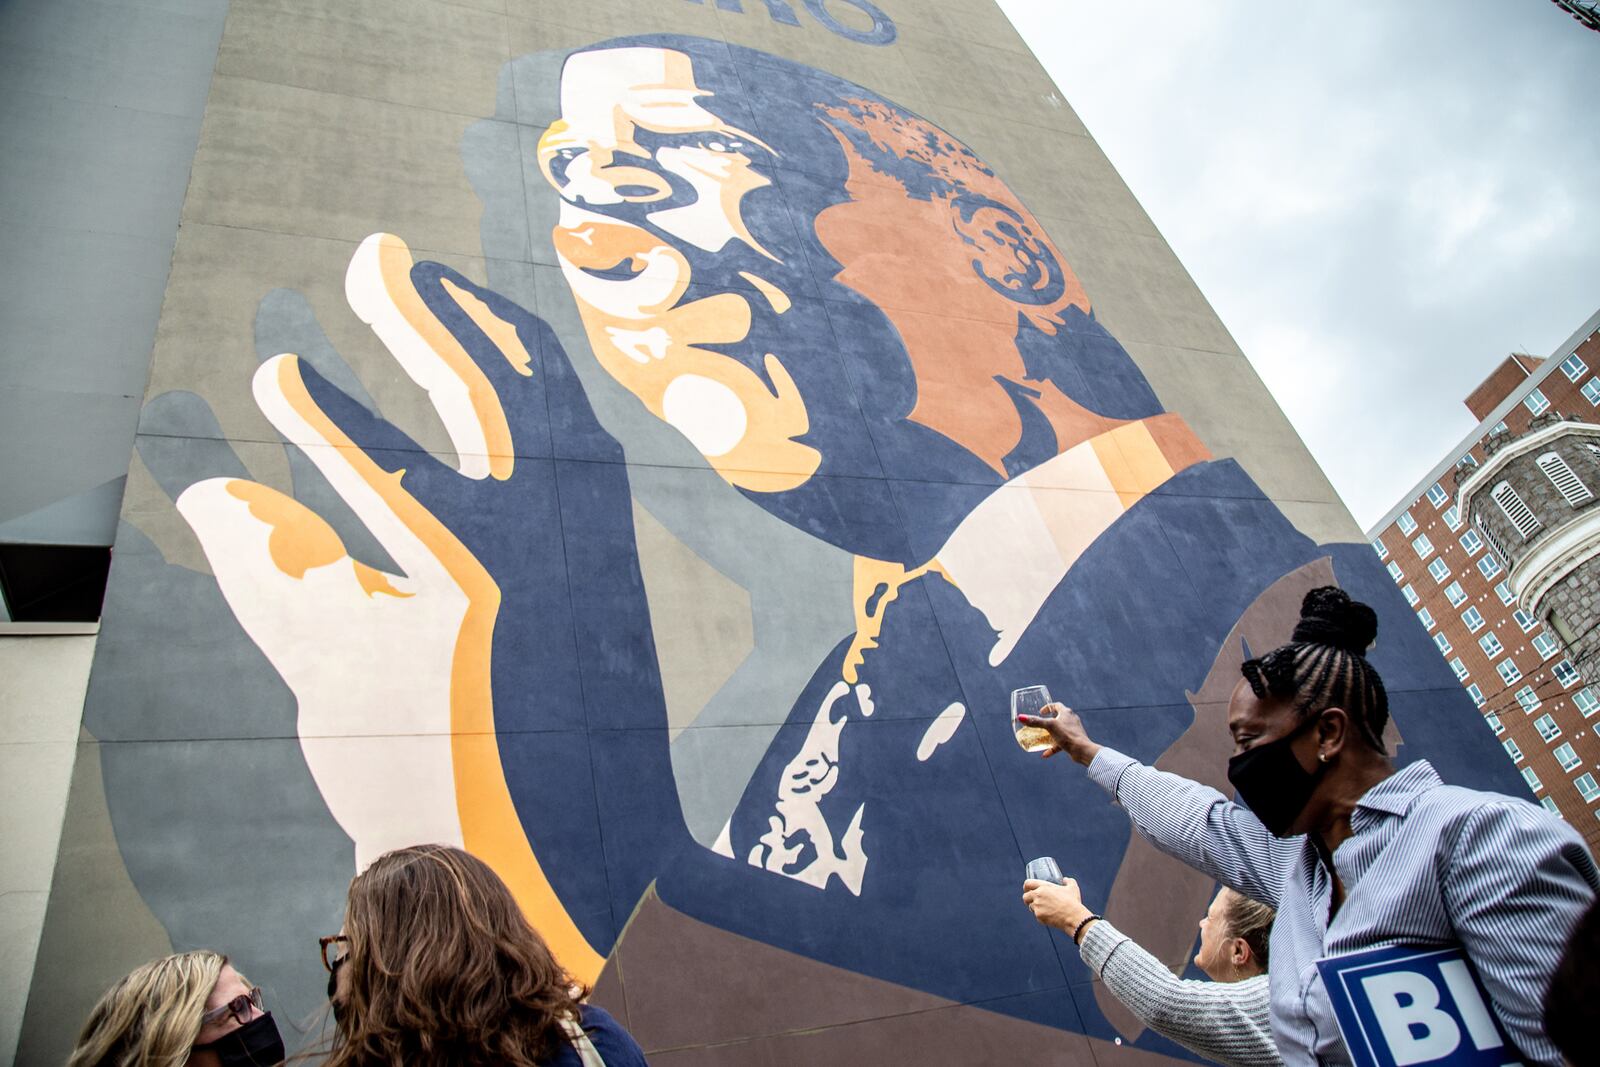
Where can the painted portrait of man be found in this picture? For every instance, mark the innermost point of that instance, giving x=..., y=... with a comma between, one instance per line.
x=826, y=343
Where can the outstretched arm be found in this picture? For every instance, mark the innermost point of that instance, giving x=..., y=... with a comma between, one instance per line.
x=1189, y=821
x=1515, y=885
x=1225, y=1021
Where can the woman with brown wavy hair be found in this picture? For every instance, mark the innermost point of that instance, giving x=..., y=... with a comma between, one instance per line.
x=437, y=965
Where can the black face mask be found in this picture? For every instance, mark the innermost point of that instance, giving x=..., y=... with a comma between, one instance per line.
x=255, y=1044
x=1271, y=781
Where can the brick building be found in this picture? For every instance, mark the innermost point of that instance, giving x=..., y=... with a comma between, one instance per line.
x=1465, y=568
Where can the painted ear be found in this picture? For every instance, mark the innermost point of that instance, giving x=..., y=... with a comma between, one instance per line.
x=1010, y=256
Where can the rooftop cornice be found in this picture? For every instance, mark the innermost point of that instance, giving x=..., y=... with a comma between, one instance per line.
x=1528, y=442
x=1550, y=366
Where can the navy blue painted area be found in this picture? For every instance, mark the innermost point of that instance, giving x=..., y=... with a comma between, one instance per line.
x=880, y=32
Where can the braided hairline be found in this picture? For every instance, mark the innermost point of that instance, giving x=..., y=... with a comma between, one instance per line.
x=1314, y=676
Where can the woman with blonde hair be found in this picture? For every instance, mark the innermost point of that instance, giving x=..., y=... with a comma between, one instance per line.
x=436, y=964
x=1226, y=1019
x=191, y=1008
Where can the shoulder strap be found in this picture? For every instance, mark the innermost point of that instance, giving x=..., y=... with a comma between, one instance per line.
x=588, y=1055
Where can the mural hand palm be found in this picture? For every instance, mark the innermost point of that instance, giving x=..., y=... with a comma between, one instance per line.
x=391, y=668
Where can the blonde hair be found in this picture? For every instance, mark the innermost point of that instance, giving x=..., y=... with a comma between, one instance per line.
x=1251, y=921
x=151, y=1017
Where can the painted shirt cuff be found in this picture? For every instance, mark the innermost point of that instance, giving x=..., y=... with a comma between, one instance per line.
x=1105, y=770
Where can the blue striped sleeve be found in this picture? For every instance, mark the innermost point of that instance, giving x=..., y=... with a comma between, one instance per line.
x=1198, y=825
x=1515, y=884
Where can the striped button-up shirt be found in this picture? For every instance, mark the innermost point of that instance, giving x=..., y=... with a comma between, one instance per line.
x=1426, y=865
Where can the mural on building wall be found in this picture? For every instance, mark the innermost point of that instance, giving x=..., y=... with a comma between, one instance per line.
x=900, y=402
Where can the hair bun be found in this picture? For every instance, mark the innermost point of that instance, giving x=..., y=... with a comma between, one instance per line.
x=1329, y=617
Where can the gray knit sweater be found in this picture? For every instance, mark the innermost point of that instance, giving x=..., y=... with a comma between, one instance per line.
x=1223, y=1021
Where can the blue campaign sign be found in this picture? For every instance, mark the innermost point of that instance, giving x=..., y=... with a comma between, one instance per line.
x=1403, y=1007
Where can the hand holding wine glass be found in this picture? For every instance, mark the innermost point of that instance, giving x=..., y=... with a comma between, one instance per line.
x=1061, y=728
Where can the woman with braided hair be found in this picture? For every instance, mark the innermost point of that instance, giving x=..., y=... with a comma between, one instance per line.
x=1354, y=853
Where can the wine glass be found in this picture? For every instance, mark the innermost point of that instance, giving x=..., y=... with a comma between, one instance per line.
x=1031, y=700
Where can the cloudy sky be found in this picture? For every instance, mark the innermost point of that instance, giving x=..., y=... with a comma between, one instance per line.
x=1380, y=199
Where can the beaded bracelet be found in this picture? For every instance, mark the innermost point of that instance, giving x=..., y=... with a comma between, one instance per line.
x=1085, y=921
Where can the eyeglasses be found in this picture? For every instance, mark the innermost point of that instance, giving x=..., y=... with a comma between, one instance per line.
x=239, y=1007
x=326, y=942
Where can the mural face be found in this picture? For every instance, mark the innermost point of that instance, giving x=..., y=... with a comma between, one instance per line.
x=859, y=328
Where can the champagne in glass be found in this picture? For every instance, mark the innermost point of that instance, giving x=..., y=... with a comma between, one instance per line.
x=1030, y=700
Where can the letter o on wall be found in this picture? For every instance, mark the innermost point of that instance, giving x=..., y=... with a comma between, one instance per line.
x=882, y=32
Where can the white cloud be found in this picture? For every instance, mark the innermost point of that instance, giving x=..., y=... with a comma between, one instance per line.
x=1379, y=199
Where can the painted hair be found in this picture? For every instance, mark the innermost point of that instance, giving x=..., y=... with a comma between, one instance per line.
x=151, y=1017
x=444, y=968
x=1250, y=920
x=1324, y=664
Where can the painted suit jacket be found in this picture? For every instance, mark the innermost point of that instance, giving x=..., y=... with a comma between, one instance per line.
x=946, y=809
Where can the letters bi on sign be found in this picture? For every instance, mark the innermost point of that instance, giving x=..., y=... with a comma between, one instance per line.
x=1406, y=1007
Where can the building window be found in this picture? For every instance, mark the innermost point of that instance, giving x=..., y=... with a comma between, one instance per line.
x=1443, y=642
x=1437, y=496
x=1585, y=701
x=1394, y=570
x=1423, y=546
x=1545, y=645
x=1503, y=591
x=1520, y=514
x=1588, y=788
x=1573, y=367
x=1499, y=427
x=1568, y=484
x=1591, y=390
x=1524, y=619
x=1532, y=779
x=1495, y=724
x=1410, y=594
x=1440, y=569
x=1490, y=644
x=1594, y=449
x=1566, y=673
x=1476, y=694
x=1455, y=594
x=1488, y=566
x=1509, y=672
x=1468, y=460
x=1380, y=548
x=1408, y=525
x=1459, y=668
x=1545, y=725
x=1472, y=619
x=1567, y=757
x=1529, y=701
x=1550, y=806
x=1535, y=402
x=1427, y=618
x=1471, y=541
x=1452, y=514
x=1513, y=750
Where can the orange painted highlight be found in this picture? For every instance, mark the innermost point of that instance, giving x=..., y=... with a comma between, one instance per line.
x=500, y=333
x=300, y=538
x=871, y=575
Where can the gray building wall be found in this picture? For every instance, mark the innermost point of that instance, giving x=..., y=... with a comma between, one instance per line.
x=100, y=108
